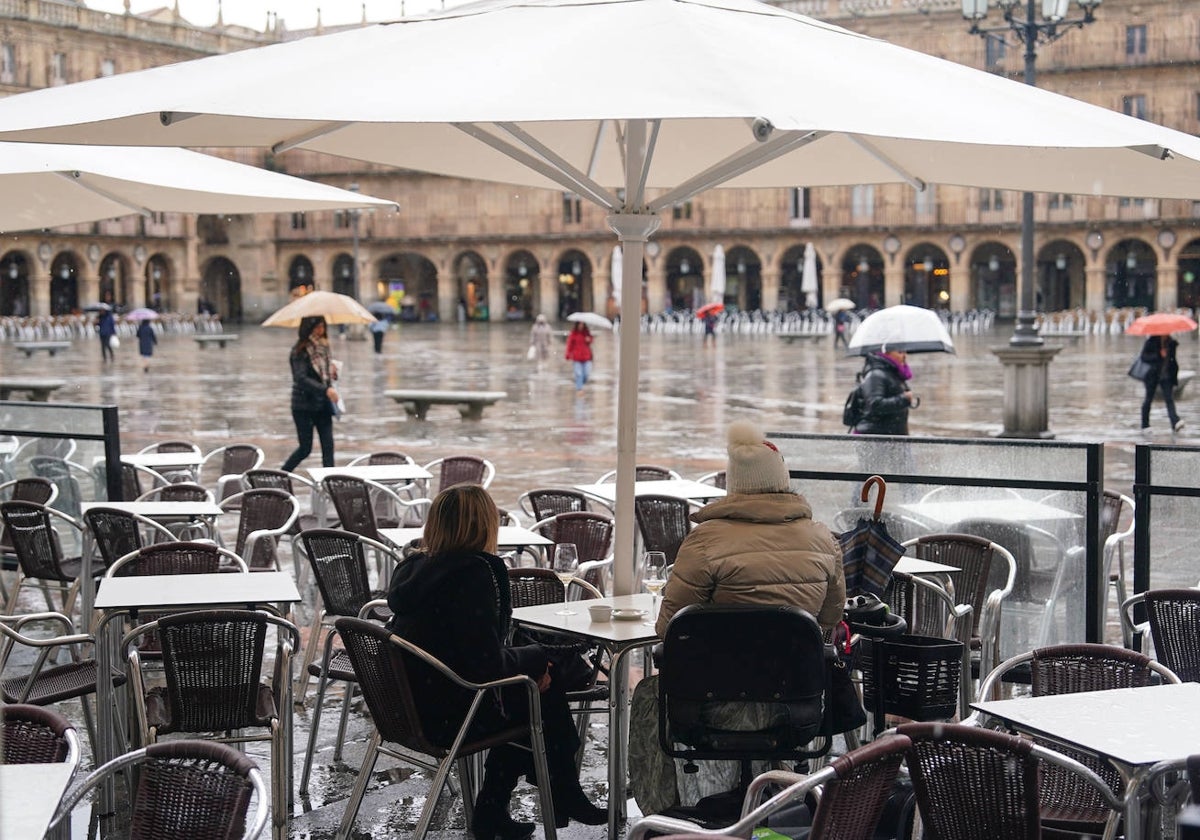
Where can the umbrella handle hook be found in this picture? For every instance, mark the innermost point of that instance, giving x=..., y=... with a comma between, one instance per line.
x=878, y=481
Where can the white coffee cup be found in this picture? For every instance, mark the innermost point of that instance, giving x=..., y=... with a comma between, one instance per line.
x=600, y=612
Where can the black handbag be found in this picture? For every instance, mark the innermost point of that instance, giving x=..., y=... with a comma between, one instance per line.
x=846, y=709
x=1141, y=369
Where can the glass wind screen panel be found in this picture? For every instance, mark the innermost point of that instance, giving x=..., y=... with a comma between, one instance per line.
x=1173, y=542
x=935, y=458
x=1175, y=467
x=72, y=420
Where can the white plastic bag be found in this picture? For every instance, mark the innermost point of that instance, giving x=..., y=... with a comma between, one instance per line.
x=532, y=354
x=113, y=342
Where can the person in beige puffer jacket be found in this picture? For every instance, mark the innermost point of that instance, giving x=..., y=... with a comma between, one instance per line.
x=757, y=545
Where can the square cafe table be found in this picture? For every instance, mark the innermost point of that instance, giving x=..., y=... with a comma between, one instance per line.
x=1131, y=728
x=681, y=487
x=29, y=796
x=383, y=473
x=127, y=596
x=164, y=512
x=619, y=638
x=1002, y=509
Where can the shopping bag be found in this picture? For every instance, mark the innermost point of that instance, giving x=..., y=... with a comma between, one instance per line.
x=532, y=353
x=113, y=342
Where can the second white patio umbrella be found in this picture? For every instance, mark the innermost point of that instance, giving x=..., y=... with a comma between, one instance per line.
x=48, y=185
x=808, y=276
x=764, y=112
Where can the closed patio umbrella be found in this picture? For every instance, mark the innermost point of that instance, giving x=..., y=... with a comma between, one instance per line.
x=718, y=275
x=808, y=276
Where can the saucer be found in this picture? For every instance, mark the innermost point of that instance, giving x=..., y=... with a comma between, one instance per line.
x=628, y=615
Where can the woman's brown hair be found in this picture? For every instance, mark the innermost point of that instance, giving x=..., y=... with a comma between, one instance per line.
x=462, y=518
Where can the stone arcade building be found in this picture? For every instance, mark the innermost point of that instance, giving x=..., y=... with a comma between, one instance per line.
x=493, y=252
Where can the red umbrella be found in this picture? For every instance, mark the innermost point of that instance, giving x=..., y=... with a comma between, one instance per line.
x=709, y=308
x=1161, y=323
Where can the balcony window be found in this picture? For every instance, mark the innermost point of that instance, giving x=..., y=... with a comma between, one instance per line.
x=1061, y=201
x=682, y=211
x=1134, y=105
x=862, y=201
x=925, y=201
x=991, y=200
x=572, y=209
x=800, y=204
x=299, y=222
x=1135, y=41
x=995, y=50
x=58, y=69
x=8, y=63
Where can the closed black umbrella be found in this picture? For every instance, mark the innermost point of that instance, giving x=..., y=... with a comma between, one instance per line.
x=869, y=553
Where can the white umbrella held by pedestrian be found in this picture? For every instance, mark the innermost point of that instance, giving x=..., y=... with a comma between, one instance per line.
x=908, y=328
x=592, y=319
x=334, y=308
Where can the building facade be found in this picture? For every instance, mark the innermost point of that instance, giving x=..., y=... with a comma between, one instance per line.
x=463, y=249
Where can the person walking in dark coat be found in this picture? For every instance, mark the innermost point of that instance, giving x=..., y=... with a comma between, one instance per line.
x=146, y=341
x=452, y=599
x=887, y=398
x=106, y=328
x=841, y=326
x=1159, y=353
x=313, y=394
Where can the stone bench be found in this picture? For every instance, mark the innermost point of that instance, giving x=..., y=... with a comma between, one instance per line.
x=1185, y=376
x=38, y=390
x=793, y=337
x=214, y=338
x=31, y=347
x=470, y=403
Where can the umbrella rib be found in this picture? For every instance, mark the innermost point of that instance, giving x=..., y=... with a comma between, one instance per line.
x=597, y=142
x=77, y=178
x=868, y=147
x=299, y=139
x=741, y=161
x=639, y=194
x=558, y=176
x=597, y=193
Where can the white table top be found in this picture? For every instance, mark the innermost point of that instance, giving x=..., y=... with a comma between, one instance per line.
x=509, y=536
x=917, y=566
x=681, y=487
x=155, y=591
x=8, y=447
x=620, y=632
x=374, y=472
x=1135, y=726
x=162, y=460
x=29, y=796
x=160, y=510
x=1013, y=510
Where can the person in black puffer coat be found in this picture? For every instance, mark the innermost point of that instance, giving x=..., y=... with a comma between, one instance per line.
x=886, y=395
x=452, y=600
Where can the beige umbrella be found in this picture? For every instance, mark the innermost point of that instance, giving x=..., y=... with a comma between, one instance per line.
x=334, y=308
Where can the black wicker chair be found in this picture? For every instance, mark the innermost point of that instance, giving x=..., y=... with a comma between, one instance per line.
x=38, y=548
x=391, y=673
x=1173, y=616
x=265, y=516
x=36, y=735
x=193, y=789
x=664, y=521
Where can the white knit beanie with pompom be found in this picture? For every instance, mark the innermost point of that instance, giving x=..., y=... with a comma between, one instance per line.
x=755, y=465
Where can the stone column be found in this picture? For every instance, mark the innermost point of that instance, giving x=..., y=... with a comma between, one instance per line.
x=656, y=287
x=1026, y=391
x=1094, y=280
x=770, y=287
x=1166, y=288
x=893, y=282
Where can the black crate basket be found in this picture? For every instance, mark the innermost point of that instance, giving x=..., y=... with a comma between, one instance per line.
x=914, y=677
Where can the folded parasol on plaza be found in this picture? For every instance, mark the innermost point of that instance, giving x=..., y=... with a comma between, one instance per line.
x=869, y=553
x=141, y=314
x=908, y=328
x=335, y=308
x=1161, y=323
x=592, y=319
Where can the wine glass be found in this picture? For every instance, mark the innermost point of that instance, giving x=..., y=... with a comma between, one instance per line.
x=654, y=577
x=566, y=563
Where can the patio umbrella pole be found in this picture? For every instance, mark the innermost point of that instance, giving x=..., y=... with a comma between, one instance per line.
x=633, y=229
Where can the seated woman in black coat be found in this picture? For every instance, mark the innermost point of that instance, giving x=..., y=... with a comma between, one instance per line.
x=453, y=601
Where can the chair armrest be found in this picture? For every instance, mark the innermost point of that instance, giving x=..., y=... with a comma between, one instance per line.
x=1047, y=756
x=370, y=606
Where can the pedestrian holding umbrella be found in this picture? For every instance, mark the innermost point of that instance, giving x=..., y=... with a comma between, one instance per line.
x=1156, y=365
x=912, y=329
x=592, y=319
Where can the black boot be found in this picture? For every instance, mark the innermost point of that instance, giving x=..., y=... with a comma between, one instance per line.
x=491, y=820
x=570, y=802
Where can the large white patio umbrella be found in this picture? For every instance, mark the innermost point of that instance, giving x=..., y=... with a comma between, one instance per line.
x=47, y=185
x=624, y=128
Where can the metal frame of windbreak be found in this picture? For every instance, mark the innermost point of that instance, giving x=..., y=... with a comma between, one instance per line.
x=1092, y=486
x=110, y=435
x=1144, y=491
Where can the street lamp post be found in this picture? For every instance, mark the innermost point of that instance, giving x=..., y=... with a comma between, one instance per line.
x=354, y=214
x=1026, y=359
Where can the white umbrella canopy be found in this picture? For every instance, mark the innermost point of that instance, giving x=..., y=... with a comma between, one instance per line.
x=334, y=308
x=909, y=328
x=616, y=273
x=718, y=275
x=592, y=319
x=617, y=131
x=480, y=101
x=48, y=185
